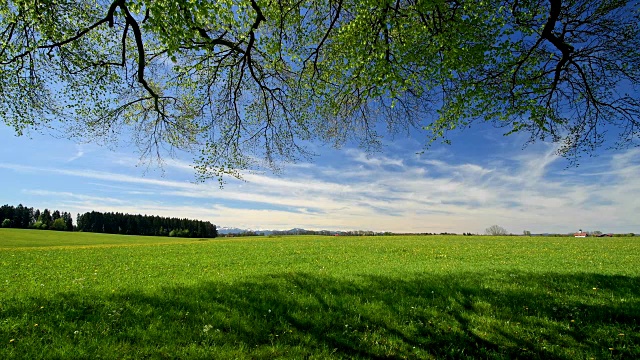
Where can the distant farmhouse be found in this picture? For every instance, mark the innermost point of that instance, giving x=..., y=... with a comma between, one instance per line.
x=580, y=234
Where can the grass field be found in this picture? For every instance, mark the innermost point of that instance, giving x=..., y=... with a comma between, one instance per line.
x=81, y=295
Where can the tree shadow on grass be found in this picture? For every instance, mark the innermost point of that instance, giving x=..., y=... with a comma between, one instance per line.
x=302, y=315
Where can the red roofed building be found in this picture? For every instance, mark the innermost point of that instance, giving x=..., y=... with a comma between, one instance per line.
x=580, y=233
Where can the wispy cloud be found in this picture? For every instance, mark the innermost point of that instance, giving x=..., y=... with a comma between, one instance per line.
x=69, y=195
x=77, y=156
x=404, y=193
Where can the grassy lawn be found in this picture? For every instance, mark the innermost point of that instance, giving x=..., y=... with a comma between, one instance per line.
x=80, y=295
x=22, y=238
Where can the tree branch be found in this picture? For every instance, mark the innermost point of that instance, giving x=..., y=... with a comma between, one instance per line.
x=559, y=43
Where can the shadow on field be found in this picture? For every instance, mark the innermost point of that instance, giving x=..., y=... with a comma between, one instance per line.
x=301, y=315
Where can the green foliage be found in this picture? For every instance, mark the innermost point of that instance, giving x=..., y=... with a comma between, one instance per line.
x=59, y=224
x=6, y=223
x=239, y=80
x=20, y=216
x=319, y=297
x=25, y=217
x=179, y=233
x=45, y=218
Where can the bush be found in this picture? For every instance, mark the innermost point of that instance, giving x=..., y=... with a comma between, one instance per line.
x=59, y=224
x=6, y=223
x=179, y=233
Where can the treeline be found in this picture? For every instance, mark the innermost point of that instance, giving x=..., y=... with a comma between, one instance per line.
x=127, y=224
x=23, y=217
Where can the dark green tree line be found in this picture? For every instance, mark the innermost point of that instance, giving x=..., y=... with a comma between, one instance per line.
x=23, y=217
x=128, y=224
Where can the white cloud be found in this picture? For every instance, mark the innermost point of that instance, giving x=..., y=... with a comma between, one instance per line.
x=380, y=193
x=79, y=153
x=69, y=195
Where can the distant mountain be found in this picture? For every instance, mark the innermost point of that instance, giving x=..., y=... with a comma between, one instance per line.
x=222, y=230
x=232, y=230
x=295, y=231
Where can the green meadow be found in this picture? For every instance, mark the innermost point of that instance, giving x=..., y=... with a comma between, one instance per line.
x=90, y=296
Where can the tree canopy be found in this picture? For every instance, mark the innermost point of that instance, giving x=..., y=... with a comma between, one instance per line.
x=236, y=81
x=496, y=230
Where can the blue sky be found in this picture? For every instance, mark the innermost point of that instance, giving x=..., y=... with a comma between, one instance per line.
x=482, y=179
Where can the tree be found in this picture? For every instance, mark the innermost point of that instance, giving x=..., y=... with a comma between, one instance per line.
x=58, y=224
x=6, y=223
x=36, y=216
x=526, y=233
x=143, y=225
x=496, y=230
x=7, y=212
x=241, y=80
x=45, y=219
x=68, y=220
x=22, y=216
